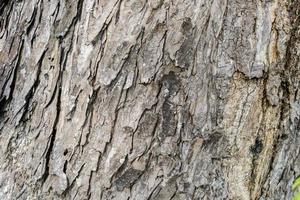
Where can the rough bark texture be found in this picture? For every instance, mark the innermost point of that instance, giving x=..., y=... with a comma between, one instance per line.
x=149, y=99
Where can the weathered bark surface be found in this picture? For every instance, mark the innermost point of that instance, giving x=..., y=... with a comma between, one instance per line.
x=149, y=99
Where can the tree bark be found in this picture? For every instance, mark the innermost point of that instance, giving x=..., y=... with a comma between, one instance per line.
x=149, y=99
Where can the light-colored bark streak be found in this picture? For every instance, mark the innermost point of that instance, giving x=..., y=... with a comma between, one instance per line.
x=149, y=99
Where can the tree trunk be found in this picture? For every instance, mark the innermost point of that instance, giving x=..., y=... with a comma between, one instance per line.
x=149, y=99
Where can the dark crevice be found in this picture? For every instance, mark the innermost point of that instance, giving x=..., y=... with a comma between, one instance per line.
x=65, y=167
x=257, y=147
x=74, y=21
x=54, y=131
x=48, y=154
x=3, y=4
x=13, y=83
x=89, y=194
x=4, y=101
x=52, y=97
x=118, y=12
x=90, y=106
x=70, y=186
x=31, y=22
x=31, y=92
